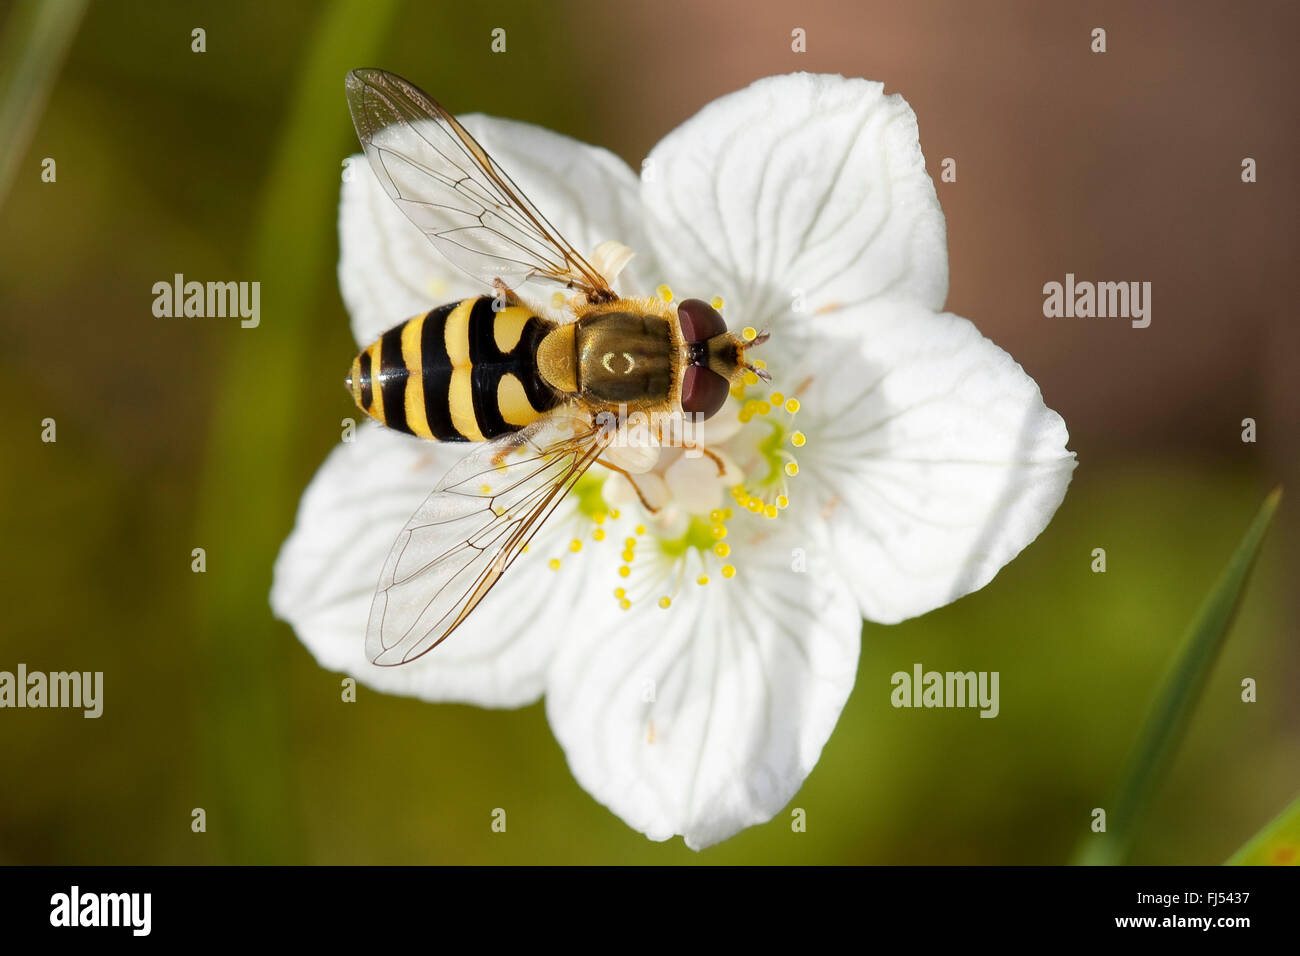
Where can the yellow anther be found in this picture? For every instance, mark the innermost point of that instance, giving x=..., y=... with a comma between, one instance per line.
x=624, y=571
x=763, y=408
x=599, y=518
x=792, y=405
x=726, y=513
x=791, y=468
x=575, y=545
x=716, y=515
x=598, y=534
x=665, y=601
x=619, y=593
x=557, y=300
x=553, y=564
x=750, y=378
x=640, y=529
x=665, y=293
x=749, y=334
x=798, y=439
x=754, y=504
x=629, y=543
x=777, y=398
x=628, y=555
x=728, y=570
x=625, y=604
x=702, y=580
x=613, y=513
x=782, y=501
x=737, y=492
x=716, y=302
x=759, y=363
x=769, y=511
x=745, y=416
x=722, y=549
x=719, y=531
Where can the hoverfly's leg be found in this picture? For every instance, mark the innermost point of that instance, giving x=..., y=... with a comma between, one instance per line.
x=504, y=293
x=696, y=446
x=722, y=469
x=631, y=480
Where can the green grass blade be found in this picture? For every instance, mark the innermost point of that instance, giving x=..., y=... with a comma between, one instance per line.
x=1167, y=722
x=36, y=39
x=1278, y=844
x=250, y=489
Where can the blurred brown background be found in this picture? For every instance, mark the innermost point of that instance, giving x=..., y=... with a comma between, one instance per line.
x=1122, y=166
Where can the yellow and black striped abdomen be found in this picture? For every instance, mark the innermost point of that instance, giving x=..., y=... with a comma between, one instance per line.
x=462, y=372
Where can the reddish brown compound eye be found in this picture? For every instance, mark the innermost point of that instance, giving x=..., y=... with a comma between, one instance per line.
x=703, y=391
x=699, y=320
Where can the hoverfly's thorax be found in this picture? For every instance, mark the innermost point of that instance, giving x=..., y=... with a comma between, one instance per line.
x=625, y=358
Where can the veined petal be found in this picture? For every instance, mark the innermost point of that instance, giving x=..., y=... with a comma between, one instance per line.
x=931, y=459
x=389, y=271
x=706, y=718
x=327, y=570
x=798, y=195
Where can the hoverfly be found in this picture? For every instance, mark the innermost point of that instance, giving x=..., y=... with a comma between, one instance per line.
x=491, y=369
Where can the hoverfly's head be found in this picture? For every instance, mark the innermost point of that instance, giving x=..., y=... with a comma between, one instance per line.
x=715, y=358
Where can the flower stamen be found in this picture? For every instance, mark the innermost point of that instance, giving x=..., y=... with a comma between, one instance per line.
x=768, y=495
x=668, y=564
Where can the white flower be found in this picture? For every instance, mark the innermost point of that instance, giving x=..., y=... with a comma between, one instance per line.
x=920, y=461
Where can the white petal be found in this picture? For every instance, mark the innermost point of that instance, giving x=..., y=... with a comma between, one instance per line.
x=930, y=456
x=706, y=718
x=632, y=450
x=717, y=430
x=800, y=192
x=695, y=484
x=669, y=522
x=389, y=271
x=619, y=492
x=610, y=258
x=327, y=570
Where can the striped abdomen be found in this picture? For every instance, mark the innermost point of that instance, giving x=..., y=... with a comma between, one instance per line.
x=462, y=372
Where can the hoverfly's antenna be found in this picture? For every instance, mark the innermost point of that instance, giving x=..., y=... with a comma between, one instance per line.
x=758, y=338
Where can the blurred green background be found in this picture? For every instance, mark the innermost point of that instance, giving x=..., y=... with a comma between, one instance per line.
x=175, y=434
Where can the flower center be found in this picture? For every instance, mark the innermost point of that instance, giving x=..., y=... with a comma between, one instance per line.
x=749, y=452
x=767, y=493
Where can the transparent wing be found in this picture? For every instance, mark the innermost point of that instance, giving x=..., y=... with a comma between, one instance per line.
x=471, y=528
x=448, y=185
